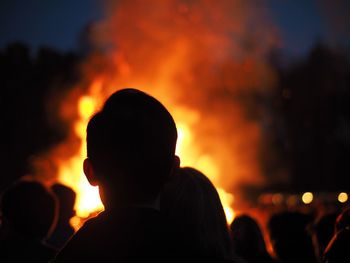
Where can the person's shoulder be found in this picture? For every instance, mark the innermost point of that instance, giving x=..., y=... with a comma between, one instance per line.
x=81, y=243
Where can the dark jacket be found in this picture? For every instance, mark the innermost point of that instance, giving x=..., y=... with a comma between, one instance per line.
x=127, y=235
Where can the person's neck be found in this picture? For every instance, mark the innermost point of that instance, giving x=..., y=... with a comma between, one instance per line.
x=152, y=204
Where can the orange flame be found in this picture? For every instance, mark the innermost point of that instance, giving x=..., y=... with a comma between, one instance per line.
x=71, y=174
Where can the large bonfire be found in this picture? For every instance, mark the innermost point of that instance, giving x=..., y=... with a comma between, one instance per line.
x=199, y=58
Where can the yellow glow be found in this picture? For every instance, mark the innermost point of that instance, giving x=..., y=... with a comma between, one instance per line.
x=80, y=128
x=206, y=163
x=86, y=107
x=76, y=222
x=343, y=197
x=227, y=199
x=184, y=138
x=307, y=197
x=70, y=172
x=88, y=199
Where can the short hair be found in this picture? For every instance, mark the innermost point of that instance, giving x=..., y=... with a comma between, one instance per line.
x=290, y=236
x=248, y=240
x=29, y=208
x=192, y=206
x=131, y=143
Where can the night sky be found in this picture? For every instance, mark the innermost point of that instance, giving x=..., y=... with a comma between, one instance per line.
x=57, y=23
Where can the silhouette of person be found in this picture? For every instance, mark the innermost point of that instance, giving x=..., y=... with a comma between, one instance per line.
x=193, y=209
x=248, y=240
x=63, y=231
x=28, y=212
x=130, y=155
x=290, y=238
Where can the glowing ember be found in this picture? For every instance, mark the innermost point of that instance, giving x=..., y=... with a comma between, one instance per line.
x=227, y=200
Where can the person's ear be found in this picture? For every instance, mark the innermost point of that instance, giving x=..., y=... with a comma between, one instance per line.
x=176, y=166
x=89, y=172
x=177, y=162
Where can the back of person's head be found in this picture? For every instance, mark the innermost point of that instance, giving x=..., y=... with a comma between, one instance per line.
x=290, y=238
x=193, y=208
x=131, y=147
x=247, y=238
x=29, y=209
x=66, y=200
x=338, y=248
x=343, y=220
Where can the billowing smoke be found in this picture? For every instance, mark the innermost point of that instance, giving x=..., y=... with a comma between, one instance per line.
x=203, y=59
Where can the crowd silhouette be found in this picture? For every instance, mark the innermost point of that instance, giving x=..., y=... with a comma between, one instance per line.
x=248, y=240
x=63, y=230
x=155, y=210
x=28, y=216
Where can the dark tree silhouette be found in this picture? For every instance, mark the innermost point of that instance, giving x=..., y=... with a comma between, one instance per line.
x=26, y=84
